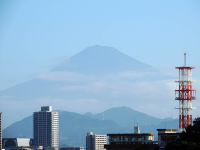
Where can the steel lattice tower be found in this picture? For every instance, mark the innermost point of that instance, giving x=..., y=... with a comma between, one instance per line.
x=185, y=94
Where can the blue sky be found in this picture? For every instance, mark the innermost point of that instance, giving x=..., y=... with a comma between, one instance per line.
x=36, y=35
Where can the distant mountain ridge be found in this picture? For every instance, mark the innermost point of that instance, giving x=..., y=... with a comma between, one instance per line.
x=128, y=117
x=73, y=126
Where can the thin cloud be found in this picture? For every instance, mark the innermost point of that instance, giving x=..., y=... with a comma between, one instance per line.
x=64, y=76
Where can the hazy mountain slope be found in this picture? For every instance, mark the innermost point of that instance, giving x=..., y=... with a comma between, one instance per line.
x=74, y=128
x=94, y=60
x=102, y=60
x=127, y=116
x=23, y=128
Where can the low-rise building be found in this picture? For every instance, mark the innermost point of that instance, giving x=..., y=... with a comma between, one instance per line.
x=72, y=148
x=17, y=143
x=166, y=136
x=131, y=141
x=95, y=141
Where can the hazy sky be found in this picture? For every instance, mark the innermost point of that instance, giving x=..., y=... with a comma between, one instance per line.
x=35, y=35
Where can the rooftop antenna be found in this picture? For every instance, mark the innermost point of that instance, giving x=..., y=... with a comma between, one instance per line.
x=136, y=129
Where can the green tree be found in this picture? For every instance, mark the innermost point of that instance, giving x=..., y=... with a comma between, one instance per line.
x=189, y=139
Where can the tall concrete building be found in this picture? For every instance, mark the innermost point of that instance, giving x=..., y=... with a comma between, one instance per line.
x=46, y=128
x=0, y=130
x=95, y=142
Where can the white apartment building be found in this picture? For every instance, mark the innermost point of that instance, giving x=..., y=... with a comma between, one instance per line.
x=95, y=141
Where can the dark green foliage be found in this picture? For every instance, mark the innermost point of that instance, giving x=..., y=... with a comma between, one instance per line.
x=192, y=133
x=189, y=139
x=183, y=145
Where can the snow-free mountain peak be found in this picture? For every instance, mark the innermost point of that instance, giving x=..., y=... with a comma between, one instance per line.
x=102, y=60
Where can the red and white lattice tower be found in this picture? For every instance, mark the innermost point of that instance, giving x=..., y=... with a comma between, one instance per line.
x=185, y=94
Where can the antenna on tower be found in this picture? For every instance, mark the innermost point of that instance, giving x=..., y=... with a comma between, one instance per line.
x=185, y=59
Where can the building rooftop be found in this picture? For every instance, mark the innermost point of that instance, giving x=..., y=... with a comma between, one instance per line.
x=132, y=134
x=174, y=130
x=46, y=108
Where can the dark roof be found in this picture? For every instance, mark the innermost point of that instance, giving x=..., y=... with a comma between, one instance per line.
x=167, y=129
x=131, y=134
